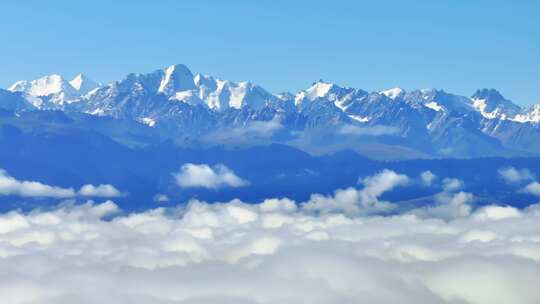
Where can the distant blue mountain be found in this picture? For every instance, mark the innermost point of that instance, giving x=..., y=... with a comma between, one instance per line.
x=136, y=132
x=70, y=151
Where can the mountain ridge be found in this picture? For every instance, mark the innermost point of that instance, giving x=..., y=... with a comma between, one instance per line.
x=180, y=103
x=170, y=84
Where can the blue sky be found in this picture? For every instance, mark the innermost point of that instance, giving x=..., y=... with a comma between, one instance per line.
x=283, y=45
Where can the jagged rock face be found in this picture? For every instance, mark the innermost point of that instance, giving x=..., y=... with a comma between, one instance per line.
x=14, y=101
x=182, y=103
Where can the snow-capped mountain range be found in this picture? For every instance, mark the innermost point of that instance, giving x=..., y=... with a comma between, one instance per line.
x=324, y=117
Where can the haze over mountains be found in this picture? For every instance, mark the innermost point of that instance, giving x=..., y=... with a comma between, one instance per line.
x=324, y=118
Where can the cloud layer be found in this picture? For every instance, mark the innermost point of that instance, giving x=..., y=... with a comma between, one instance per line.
x=352, y=201
x=204, y=176
x=340, y=248
x=515, y=176
x=99, y=191
x=512, y=175
x=532, y=188
x=376, y=130
x=12, y=186
x=271, y=252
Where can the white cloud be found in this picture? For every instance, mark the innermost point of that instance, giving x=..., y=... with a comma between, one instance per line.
x=512, y=175
x=259, y=129
x=161, y=198
x=376, y=130
x=532, y=188
x=274, y=205
x=267, y=253
x=99, y=191
x=386, y=180
x=11, y=186
x=352, y=201
x=448, y=206
x=253, y=130
x=491, y=213
x=428, y=178
x=452, y=184
x=204, y=176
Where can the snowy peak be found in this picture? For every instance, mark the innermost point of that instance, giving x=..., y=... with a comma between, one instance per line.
x=318, y=89
x=19, y=86
x=53, y=91
x=77, y=82
x=82, y=84
x=330, y=93
x=531, y=114
x=221, y=94
x=51, y=84
x=176, y=78
x=178, y=84
x=205, y=81
x=489, y=94
x=393, y=93
x=439, y=101
x=177, y=102
x=491, y=104
x=207, y=85
x=238, y=95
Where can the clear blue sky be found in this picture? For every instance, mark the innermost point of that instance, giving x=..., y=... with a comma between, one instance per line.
x=283, y=45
